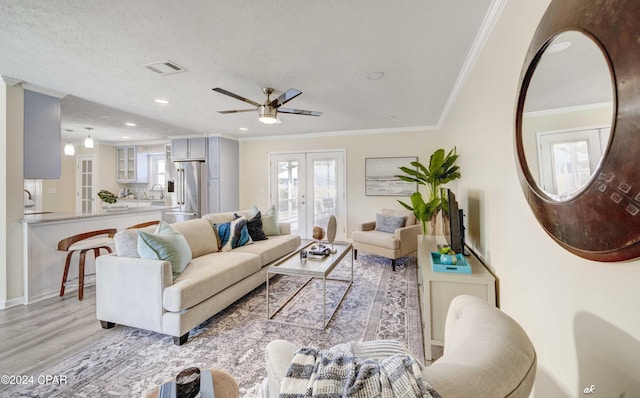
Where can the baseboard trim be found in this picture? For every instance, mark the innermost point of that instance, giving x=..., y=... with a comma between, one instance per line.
x=4, y=304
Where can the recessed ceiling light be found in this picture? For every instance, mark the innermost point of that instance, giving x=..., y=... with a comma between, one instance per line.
x=161, y=101
x=375, y=75
x=130, y=124
x=125, y=137
x=243, y=129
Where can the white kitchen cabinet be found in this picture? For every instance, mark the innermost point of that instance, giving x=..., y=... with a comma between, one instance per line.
x=189, y=149
x=131, y=166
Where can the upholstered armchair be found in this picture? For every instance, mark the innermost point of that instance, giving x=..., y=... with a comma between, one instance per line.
x=394, y=234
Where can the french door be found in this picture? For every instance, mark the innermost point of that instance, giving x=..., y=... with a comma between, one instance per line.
x=568, y=159
x=85, y=183
x=307, y=188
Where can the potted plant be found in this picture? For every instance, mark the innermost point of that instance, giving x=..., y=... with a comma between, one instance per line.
x=442, y=169
x=107, y=197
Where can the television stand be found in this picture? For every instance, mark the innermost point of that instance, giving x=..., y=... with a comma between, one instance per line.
x=437, y=289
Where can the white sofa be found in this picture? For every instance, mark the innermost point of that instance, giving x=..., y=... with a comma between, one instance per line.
x=486, y=354
x=140, y=292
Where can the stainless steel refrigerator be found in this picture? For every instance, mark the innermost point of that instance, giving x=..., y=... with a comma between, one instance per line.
x=188, y=180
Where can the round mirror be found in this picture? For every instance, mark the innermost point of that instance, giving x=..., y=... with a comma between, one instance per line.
x=568, y=112
x=591, y=204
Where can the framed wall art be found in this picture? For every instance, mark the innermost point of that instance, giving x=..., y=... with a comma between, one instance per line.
x=380, y=177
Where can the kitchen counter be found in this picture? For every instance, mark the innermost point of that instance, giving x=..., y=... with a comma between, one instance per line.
x=43, y=217
x=43, y=264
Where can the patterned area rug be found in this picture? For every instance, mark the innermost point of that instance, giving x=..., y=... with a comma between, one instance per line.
x=380, y=304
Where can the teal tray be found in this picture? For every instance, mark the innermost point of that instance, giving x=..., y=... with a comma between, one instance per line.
x=462, y=267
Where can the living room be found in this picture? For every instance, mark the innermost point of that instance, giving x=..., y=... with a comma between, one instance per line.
x=577, y=312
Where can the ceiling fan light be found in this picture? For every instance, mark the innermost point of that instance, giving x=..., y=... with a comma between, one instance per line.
x=69, y=149
x=268, y=114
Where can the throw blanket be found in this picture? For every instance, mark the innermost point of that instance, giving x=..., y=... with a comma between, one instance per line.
x=342, y=372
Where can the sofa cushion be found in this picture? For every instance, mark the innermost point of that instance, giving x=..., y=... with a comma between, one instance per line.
x=208, y=275
x=221, y=218
x=273, y=248
x=165, y=244
x=376, y=238
x=389, y=224
x=200, y=236
x=233, y=234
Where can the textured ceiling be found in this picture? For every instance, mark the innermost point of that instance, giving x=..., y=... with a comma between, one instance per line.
x=92, y=51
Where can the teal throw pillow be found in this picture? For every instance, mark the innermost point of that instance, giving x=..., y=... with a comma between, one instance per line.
x=165, y=244
x=233, y=234
x=270, y=224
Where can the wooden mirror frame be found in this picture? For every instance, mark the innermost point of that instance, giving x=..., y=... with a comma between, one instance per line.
x=602, y=221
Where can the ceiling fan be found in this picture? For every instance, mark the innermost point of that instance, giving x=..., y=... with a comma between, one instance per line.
x=268, y=112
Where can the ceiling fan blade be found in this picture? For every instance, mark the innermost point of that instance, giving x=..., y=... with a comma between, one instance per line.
x=285, y=97
x=236, y=96
x=237, y=111
x=299, y=112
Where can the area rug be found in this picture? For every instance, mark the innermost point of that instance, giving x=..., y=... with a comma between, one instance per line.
x=380, y=304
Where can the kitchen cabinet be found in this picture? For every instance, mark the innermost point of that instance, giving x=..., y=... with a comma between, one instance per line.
x=131, y=166
x=223, y=189
x=189, y=149
x=42, y=157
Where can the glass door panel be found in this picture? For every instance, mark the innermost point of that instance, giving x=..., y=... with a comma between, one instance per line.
x=308, y=188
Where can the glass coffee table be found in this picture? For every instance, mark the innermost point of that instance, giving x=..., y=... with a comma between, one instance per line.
x=314, y=267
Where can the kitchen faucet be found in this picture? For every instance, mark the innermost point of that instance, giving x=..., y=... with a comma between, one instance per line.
x=29, y=193
x=161, y=190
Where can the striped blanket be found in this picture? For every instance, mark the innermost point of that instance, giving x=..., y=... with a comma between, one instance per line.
x=353, y=370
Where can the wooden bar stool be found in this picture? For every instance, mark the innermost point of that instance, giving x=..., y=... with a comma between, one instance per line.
x=83, y=243
x=144, y=224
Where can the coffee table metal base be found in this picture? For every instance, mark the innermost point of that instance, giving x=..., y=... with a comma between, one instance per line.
x=324, y=278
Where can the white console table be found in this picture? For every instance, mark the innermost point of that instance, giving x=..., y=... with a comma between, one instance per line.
x=437, y=289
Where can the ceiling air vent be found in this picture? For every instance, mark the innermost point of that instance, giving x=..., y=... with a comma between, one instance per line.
x=164, y=68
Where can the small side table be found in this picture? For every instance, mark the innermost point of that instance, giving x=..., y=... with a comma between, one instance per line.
x=224, y=385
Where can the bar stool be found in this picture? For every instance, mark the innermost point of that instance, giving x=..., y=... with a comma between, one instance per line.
x=83, y=243
x=144, y=224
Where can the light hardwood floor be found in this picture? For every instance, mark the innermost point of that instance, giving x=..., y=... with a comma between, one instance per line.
x=34, y=336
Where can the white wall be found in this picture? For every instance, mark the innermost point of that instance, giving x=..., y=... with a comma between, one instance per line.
x=254, y=170
x=11, y=197
x=580, y=314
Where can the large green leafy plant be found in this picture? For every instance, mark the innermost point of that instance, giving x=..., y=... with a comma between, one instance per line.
x=441, y=170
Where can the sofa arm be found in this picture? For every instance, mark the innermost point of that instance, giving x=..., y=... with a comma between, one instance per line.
x=408, y=237
x=129, y=290
x=366, y=226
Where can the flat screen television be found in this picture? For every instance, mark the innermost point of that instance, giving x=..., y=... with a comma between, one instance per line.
x=452, y=222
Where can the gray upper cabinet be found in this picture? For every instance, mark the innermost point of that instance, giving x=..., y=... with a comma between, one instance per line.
x=189, y=149
x=42, y=151
x=223, y=174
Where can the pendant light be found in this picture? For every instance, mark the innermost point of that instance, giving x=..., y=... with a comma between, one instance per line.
x=88, y=142
x=69, y=149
